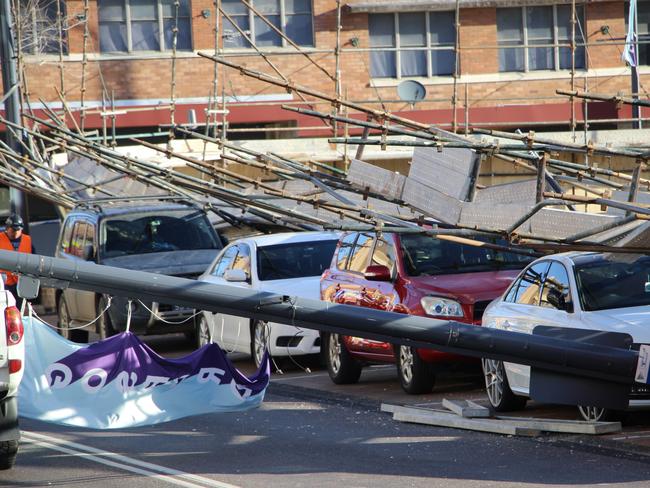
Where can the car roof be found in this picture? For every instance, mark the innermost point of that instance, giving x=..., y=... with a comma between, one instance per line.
x=289, y=238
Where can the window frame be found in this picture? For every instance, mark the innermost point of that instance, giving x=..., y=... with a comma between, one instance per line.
x=569, y=287
x=427, y=48
x=283, y=28
x=160, y=20
x=525, y=46
x=373, y=239
x=514, y=288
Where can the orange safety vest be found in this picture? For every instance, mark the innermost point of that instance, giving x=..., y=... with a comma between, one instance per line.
x=24, y=246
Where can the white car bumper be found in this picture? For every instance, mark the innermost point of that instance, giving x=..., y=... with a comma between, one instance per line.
x=286, y=340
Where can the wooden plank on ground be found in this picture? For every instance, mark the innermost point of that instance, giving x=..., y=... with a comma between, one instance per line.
x=565, y=426
x=445, y=419
x=466, y=408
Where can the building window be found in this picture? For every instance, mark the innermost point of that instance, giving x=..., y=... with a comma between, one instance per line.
x=291, y=17
x=643, y=32
x=412, y=44
x=40, y=29
x=143, y=25
x=538, y=37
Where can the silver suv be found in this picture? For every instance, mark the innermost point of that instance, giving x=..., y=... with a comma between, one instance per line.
x=175, y=239
x=12, y=365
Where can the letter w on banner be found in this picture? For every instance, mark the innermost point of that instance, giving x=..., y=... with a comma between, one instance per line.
x=630, y=56
x=120, y=382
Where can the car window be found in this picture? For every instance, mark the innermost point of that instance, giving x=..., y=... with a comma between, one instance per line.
x=384, y=253
x=90, y=236
x=607, y=282
x=243, y=259
x=555, y=293
x=225, y=261
x=294, y=260
x=347, y=243
x=67, y=234
x=360, y=256
x=78, y=237
x=529, y=285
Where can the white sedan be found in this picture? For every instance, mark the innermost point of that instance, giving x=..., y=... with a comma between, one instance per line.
x=287, y=263
x=596, y=291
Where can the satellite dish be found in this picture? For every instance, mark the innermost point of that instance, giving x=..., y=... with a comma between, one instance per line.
x=411, y=91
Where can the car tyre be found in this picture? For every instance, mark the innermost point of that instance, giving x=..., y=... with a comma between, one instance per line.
x=202, y=331
x=260, y=337
x=415, y=375
x=498, y=389
x=8, y=451
x=341, y=366
x=105, y=327
x=63, y=312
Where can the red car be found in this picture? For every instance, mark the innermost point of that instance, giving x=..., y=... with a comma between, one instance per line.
x=414, y=274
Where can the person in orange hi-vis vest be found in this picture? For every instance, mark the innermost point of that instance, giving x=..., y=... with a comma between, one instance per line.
x=14, y=239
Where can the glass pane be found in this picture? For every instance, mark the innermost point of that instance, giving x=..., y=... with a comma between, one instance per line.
x=264, y=34
x=144, y=36
x=297, y=260
x=169, y=10
x=382, y=64
x=529, y=286
x=555, y=293
x=412, y=29
x=565, y=58
x=442, y=29
x=344, y=250
x=297, y=6
x=299, y=29
x=143, y=10
x=539, y=22
x=267, y=7
x=511, y=59
x=234, y=7
x=644, y=52
x=111, y=10
x=361, y=254
x=442, y=62
x=384, y=254
x=231, y=36
x=564, y=22
x=540, y=58
x=381, y=28
x=112, y=37
x=509, y=27
x=642, y=16
x=413, y=63
x=183, y=38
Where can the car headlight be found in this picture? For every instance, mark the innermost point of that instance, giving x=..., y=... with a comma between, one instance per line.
x=441, y=307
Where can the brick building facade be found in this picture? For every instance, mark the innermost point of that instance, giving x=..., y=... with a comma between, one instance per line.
x=512, y=57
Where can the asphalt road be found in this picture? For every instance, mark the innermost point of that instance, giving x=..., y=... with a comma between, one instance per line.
x=310, y=433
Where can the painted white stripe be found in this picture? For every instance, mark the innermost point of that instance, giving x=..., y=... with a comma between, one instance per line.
x=125, y=463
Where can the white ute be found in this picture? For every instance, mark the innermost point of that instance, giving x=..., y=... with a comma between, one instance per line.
x=12, y=362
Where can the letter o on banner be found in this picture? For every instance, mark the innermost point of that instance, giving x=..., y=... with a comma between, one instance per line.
x=98, y=375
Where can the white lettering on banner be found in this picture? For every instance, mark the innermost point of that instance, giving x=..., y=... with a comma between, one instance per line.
x=58, y=375
x=176, y=381
x=126, y=381
x=210, y=374
x=152, y=381
x=94, y=374
x=241, y=390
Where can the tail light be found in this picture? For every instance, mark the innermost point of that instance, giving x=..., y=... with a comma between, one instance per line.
x=14, y=325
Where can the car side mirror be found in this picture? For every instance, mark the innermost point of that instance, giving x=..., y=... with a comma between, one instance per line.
x=88, y=252
x=235, y=275
x=377, y=272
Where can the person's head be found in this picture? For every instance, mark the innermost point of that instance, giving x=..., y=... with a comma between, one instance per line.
x=14, y=226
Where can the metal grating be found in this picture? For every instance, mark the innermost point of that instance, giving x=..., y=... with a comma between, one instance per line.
x=381, y=181
x=522, y=192
x=432, y=202
x=447, y=171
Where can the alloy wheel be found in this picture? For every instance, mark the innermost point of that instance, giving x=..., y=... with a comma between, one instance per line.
x=406, y=363
x=260, y=341
x=203, y=332
x=591, y=414
x=494, y=381
x=334, y=352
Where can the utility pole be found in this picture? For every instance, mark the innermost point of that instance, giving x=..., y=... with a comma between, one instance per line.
x=11, y=97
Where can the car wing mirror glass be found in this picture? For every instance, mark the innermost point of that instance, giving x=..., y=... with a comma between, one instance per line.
x=235, y=275
x=377, y=273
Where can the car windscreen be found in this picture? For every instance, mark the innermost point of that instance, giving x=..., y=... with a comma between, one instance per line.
x=614, y=282
x=426, y=256
x=168, y=230
x=295, y=260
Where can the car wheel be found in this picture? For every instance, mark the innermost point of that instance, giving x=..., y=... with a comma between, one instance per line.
x=260, y=335
x=202, y=331
x=598, y=414
x=105, y=327
x=415, y=375
x=8, y=451
x=341, y=366
x=75, y=335
x=497, y=388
